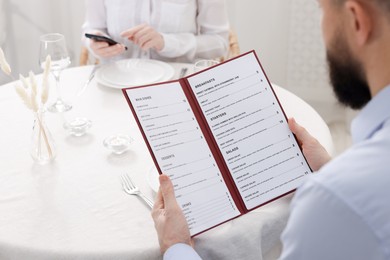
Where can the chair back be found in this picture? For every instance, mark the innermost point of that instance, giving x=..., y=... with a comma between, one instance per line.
x=85, y=57
x=234, y=47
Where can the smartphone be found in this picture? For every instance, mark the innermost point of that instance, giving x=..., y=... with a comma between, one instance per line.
x=100, y=38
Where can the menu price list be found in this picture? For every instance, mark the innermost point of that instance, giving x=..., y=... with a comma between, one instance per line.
x=183, y=154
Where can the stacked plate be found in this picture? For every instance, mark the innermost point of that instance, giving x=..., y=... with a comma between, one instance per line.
x=134, y=72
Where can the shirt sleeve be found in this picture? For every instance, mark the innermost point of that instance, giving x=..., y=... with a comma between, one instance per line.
x=95, y=20
x=323, y=226
x=95, y=16
x=212, y=40
x=181, y=251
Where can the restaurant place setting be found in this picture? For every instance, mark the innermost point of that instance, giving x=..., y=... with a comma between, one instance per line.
x=97, y=173
x=133, y=72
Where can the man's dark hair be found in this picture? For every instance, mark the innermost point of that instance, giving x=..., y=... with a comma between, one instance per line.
x=383, y=4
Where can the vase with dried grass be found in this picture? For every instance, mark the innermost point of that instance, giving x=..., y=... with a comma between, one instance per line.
x=42, y=148
x=42, y=145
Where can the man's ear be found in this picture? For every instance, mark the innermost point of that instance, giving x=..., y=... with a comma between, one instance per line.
x=359, y=21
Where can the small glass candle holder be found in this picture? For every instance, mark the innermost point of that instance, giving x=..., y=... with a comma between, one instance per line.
x=78, y=126
x=204, y=64
x=118, y=143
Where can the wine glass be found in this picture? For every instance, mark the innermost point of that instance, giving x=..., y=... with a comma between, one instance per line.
x=53, y=44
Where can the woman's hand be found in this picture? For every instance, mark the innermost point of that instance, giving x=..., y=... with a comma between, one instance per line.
x=103, y=49
x=145, y=37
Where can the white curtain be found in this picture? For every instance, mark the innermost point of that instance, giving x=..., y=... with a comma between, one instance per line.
x=3, y=78
x=24, y=21
x=2, y=23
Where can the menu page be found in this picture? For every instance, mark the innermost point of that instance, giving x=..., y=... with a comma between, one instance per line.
x=250, y=129
x=183, y=154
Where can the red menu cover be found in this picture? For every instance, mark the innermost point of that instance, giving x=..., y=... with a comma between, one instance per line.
x=222, y=137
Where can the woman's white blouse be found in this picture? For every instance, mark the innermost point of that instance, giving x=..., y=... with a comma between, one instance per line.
x=192, y=29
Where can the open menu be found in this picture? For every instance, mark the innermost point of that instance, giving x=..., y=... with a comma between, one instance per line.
x=223, y=139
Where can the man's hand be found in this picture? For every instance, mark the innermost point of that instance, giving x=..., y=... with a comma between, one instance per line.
x=314, y=152
x=145, y=37
x=169, y=219
x=103, y=49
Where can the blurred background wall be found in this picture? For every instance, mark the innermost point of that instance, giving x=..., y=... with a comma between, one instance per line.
x=25, y=21
x=285, y=34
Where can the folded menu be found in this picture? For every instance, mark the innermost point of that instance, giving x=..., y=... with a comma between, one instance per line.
x=223, y=139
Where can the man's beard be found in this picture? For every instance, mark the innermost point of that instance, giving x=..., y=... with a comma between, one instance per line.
x=346, y=75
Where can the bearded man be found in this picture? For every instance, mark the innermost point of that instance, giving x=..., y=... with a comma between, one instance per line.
x=342, y=211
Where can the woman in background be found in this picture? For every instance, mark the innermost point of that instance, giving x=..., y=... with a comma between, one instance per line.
x=167, y=30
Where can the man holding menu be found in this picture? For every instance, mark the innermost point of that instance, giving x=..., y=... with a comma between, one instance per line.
x=343, y=211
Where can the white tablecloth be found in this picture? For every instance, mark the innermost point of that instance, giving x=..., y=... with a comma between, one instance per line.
x=74, y=208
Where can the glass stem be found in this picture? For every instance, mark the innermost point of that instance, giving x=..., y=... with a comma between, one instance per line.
x=56, y=75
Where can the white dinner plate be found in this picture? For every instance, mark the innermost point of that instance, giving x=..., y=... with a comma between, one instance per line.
x=134, y=72
x=152, y=179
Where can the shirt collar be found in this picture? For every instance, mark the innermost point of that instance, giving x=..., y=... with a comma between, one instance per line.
x=372, y=117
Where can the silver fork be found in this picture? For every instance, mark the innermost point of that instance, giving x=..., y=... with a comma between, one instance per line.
x=183, y=72
x=129, y=187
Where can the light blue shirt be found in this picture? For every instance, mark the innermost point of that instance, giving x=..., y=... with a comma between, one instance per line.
x=181, y=252
x=343, y=211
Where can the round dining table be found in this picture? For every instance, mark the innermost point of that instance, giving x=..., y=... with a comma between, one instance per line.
x=75, y=207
